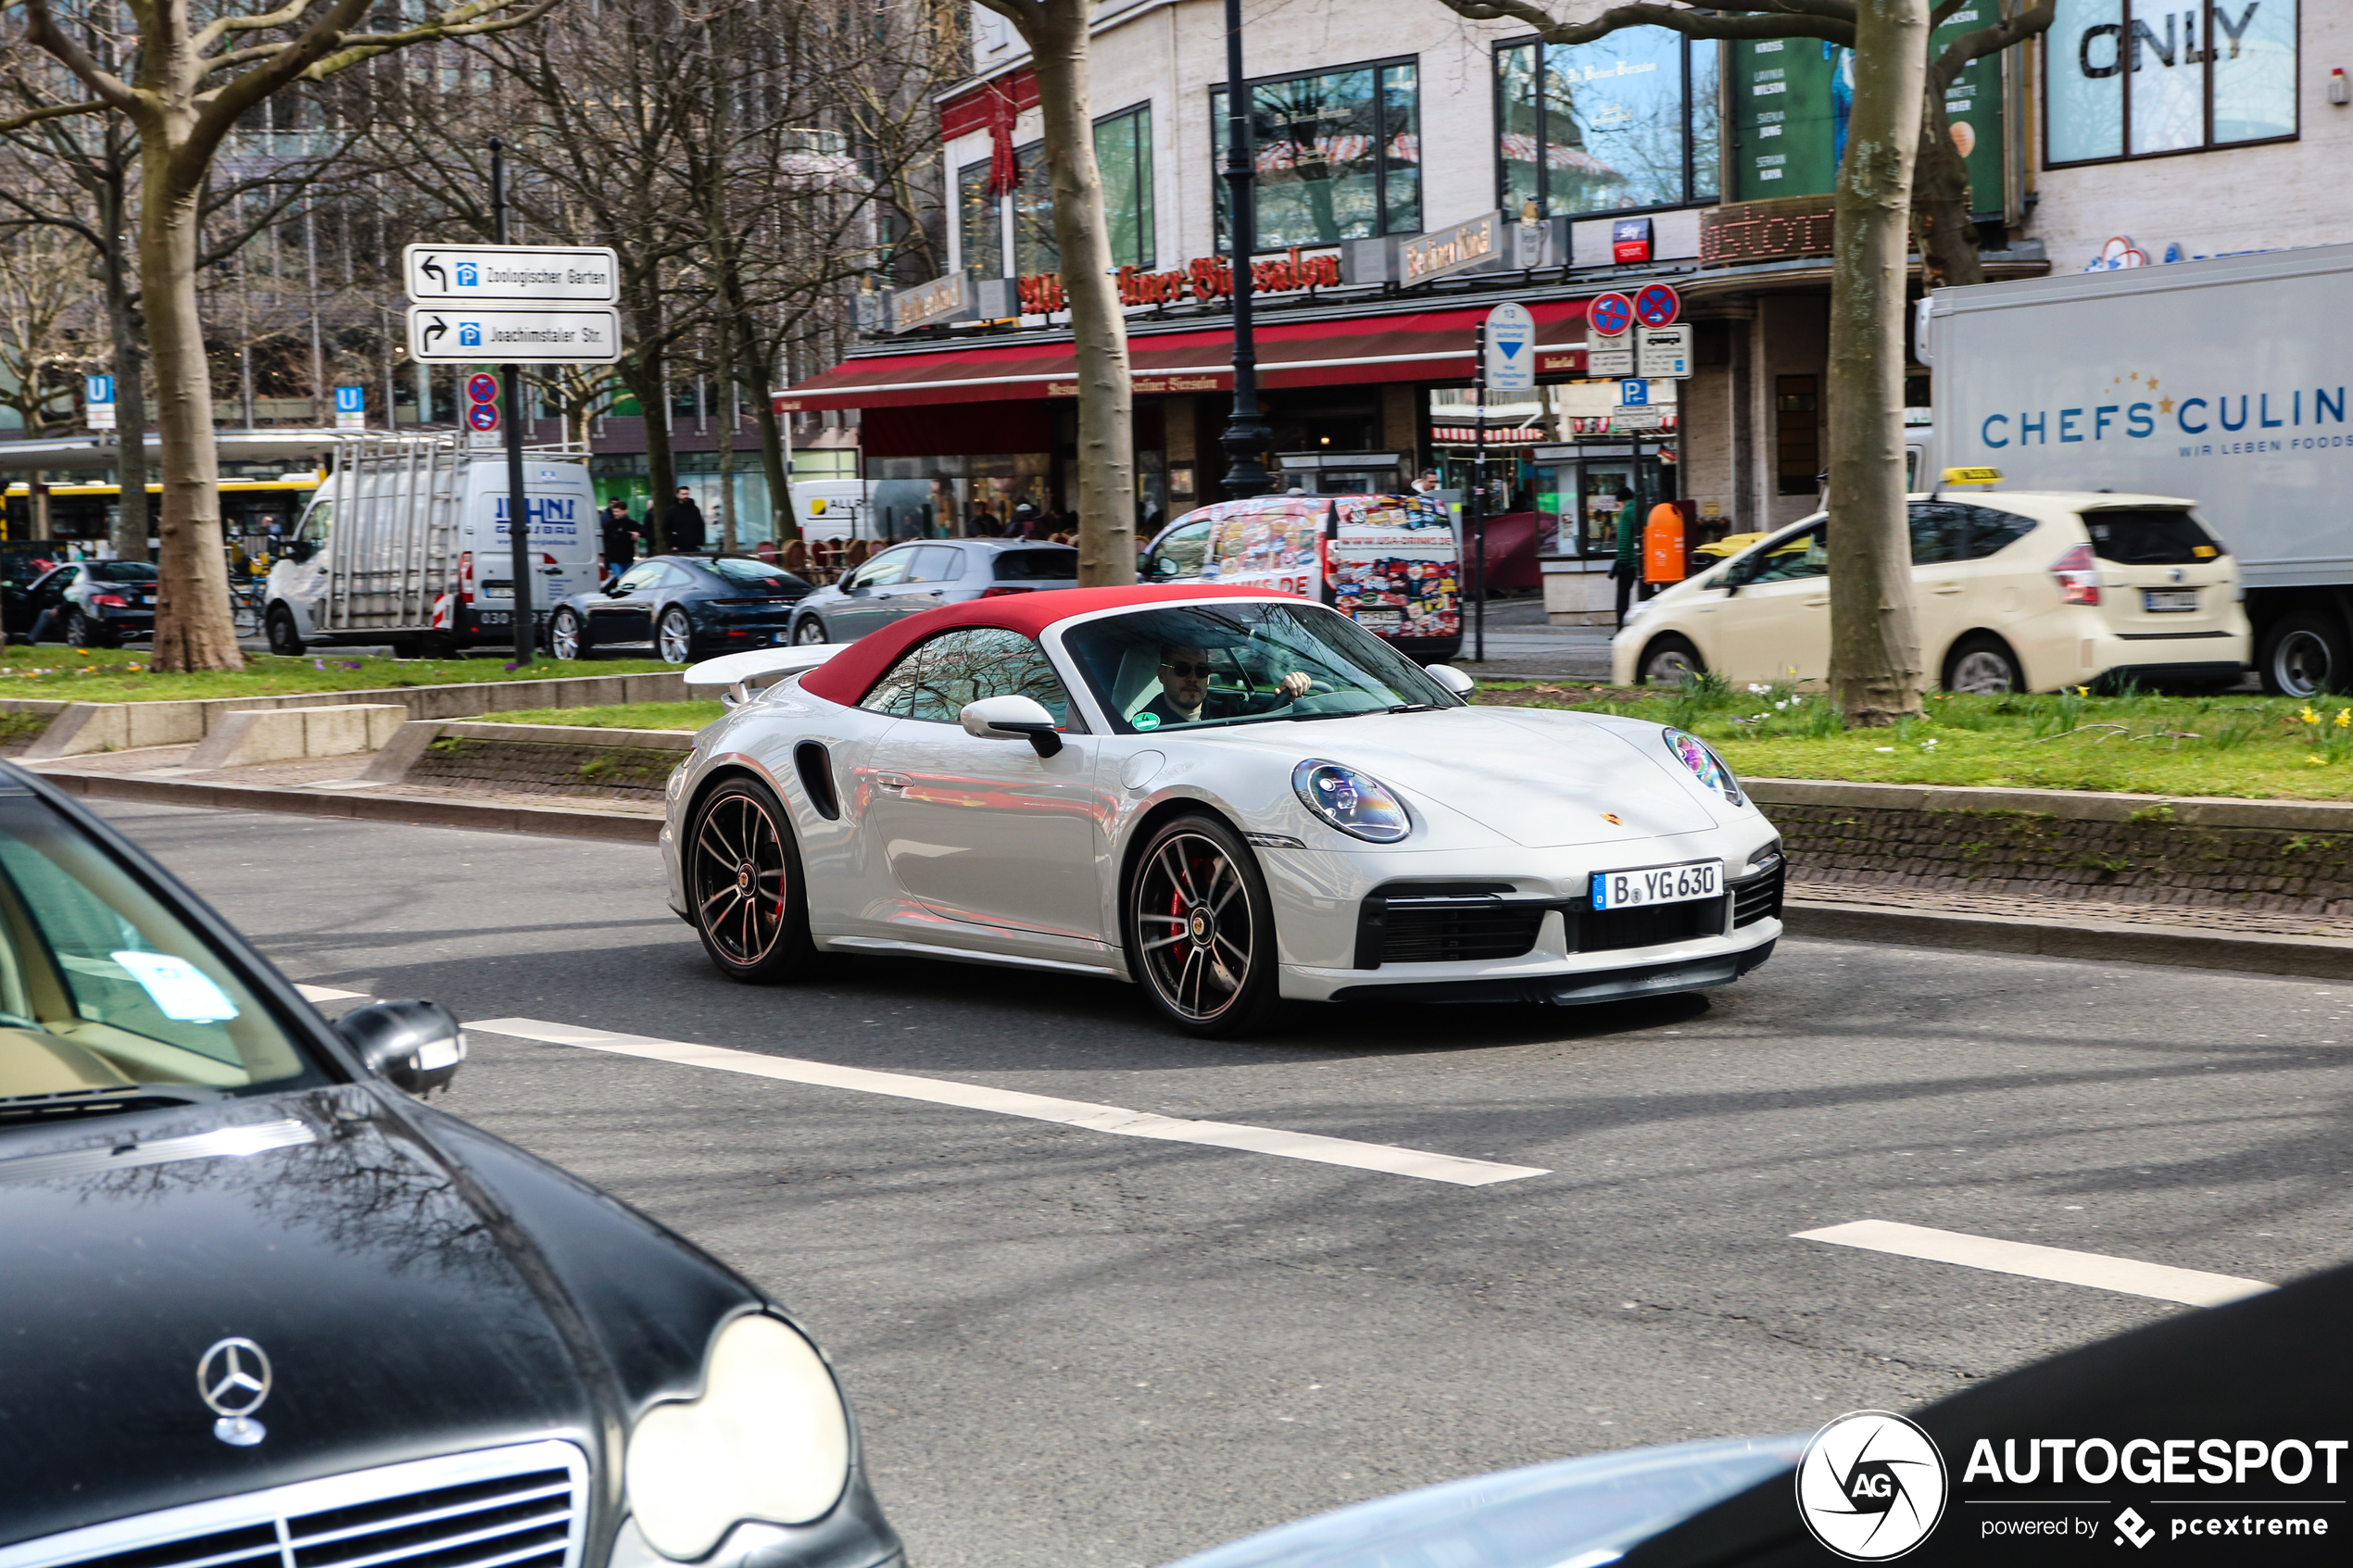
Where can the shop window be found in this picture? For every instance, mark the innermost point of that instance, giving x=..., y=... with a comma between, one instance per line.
x=1797, y=457
x=2124, y=79
x=1626, y=123
x=1124, y=162
x=1338, y=155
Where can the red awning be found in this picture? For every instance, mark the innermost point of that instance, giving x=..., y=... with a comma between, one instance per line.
x=1413, y=346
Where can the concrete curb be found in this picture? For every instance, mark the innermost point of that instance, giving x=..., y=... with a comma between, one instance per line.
x=365, y=806
x=2090, y=806
x=2180, y=946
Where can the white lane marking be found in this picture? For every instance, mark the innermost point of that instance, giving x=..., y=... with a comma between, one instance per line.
x=1013, y=1102
x=326, y=993
x=2192, y=1288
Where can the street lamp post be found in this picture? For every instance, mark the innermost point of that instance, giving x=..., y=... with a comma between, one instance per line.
x=1246, y=433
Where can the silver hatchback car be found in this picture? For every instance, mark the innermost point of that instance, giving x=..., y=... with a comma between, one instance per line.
x=925, y=574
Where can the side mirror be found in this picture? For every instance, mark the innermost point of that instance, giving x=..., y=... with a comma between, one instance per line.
x=411, y=1045
x=615, y=591
x=1011, y=718
x=1454, y=680
x=301, y=550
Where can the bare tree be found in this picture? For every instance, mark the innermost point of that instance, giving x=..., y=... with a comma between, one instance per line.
x=185, y=87
x=1056, y=33
x=47, y=306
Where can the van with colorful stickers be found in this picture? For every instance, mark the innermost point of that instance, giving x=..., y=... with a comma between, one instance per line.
x=1394, y=564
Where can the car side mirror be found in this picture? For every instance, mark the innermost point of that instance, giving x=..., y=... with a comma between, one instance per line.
x=1011, y=718
x=615, y=591
x=412, y=1045
x=1454, y=680
x=301, y=550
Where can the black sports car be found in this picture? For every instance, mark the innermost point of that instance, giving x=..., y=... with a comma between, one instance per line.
x=685, y=608
x=86, y=604
x=263, y=1307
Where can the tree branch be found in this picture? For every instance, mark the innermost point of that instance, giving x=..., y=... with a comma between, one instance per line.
x=43, y=31
x=1986, y=41
x=1830, y=19
x=54, y=111
x=472, y=20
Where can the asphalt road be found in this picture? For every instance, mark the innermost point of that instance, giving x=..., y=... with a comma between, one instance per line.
x=1072, y=1348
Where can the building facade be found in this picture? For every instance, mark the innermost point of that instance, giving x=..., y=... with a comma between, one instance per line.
x=1414, y=169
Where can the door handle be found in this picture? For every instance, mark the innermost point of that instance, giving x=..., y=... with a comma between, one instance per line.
x=892, y=781
x=1946, y=588
x=1817, y=604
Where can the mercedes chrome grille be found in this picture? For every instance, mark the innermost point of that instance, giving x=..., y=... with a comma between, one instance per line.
x=517, y=1507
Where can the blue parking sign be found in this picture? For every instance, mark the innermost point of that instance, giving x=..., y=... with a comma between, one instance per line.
x=1633, y=393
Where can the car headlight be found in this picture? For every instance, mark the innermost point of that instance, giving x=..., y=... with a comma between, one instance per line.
x=1351, y=801
x=1708, y=768
x=767, y=1439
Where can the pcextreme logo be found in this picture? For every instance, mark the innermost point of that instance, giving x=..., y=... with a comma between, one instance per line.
x=1871, y=1485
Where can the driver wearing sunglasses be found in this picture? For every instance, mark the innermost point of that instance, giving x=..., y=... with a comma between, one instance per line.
x=1185, y=696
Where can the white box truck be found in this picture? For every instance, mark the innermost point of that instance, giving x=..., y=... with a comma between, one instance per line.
x=405, y=543
x=2222, y=382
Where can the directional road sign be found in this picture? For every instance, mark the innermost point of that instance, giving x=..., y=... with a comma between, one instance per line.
x=1658, y=305
x=1511, y=349
x=515, y=334
x=519, y=274
x=481, y=388
x=1609, y=314
x=1664, y=352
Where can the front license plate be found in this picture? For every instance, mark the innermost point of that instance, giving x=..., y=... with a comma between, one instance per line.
x=1659, y=884
x=2158, y=599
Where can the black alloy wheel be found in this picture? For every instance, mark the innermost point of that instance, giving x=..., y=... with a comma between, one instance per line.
x=567, y=638
x=674, y=637
x=810, y=633
x=1200, y=930
x=284, y=638
x=81, y=632
x=743, y=877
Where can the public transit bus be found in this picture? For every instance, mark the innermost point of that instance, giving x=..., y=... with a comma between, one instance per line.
x=248, y=508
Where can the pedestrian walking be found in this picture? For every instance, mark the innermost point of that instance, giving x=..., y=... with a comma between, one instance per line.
x=618, y=533
x=682, y=524
x=1627, y=568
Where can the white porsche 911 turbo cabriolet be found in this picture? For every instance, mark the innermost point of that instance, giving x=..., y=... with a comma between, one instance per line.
x=1227, y=795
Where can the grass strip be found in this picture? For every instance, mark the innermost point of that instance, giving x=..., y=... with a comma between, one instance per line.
x=126, y=674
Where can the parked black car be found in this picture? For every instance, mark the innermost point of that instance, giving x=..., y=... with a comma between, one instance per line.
x=685, y=608
x=264, y=1308
x=908, y=579
x=90, y=604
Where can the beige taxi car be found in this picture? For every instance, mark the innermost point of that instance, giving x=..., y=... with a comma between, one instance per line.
x=2015, y=591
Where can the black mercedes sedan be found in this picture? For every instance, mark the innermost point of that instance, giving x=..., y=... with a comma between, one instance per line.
x=685, y=608
x=87, y=604
x=265, y=1308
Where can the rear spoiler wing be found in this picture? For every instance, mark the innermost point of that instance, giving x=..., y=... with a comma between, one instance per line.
x=736, y=672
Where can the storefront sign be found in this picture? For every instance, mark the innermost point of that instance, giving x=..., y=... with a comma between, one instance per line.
x=1567, y=362
x=1143, y=385
x=942, y=299
x=1204, y=278
x=1766, y=230
x=1468, y=436
x=1629, y=241
x=1466, y=247
x=2122, y=83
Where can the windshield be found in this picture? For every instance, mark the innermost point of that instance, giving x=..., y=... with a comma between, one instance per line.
x=103, y=986
x=122, y=571
x=1222, y=662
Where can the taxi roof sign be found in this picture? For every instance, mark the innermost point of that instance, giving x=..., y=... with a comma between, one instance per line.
x=1972, y=476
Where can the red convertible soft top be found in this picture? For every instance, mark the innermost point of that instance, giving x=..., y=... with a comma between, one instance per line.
x=849, y=674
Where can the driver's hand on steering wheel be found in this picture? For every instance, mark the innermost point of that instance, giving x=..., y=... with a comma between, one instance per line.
x=1298, y=683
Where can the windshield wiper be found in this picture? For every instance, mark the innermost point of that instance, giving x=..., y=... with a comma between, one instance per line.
x=17, y=1111
x=1418, y=707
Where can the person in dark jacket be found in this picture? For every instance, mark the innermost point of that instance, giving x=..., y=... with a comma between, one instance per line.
x=618, y=539
x=682, y=525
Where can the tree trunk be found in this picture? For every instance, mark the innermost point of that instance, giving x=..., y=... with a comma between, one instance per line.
x=1106, y=433
x=1875, y=659
x=1941, y=205
x=644, y=379
x=131, y=528
x=194, y=627
x=771, y=455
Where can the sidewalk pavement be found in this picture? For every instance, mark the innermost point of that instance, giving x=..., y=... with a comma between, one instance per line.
x=1522, y=646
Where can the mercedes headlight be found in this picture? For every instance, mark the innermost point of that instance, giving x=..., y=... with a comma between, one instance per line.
x=767, y=1439
x=1351, y=801
x=1706, y=766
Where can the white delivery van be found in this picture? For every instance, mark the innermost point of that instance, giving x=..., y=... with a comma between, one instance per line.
x=833, y=508
x=2225, y=382
x=405, y=543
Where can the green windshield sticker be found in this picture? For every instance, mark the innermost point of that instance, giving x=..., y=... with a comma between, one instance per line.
x=1146, y=721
